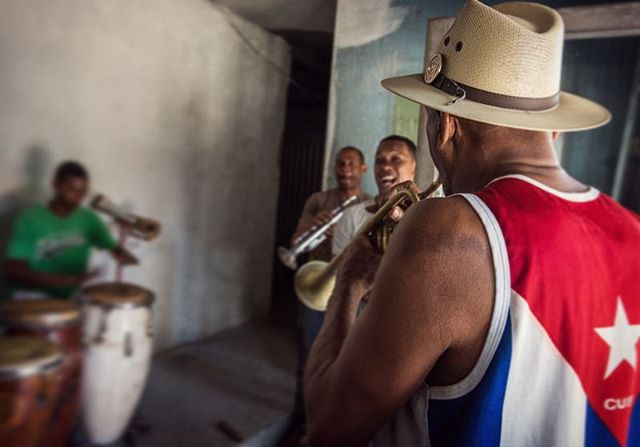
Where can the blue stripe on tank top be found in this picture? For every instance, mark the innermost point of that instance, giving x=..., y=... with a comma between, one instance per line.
x=474, y=419
x=634, y=425
x=598, y=435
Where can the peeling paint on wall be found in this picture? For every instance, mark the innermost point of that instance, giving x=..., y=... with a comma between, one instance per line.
x=374, y=40
x=372, y=20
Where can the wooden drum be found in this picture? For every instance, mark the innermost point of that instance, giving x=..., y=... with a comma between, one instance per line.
x=117, y=318
x=59, y=322
x=29, y=389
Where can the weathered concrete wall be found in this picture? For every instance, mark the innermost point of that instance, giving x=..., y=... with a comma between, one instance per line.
x=303, y=15
x=176, y=116
x=376, y=39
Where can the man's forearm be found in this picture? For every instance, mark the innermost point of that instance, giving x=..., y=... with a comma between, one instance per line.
x=319, y=381
x=303, y=226
x=24, y=275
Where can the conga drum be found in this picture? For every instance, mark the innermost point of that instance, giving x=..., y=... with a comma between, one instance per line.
x=59, y=322
x=118, y=349
x=29, y=388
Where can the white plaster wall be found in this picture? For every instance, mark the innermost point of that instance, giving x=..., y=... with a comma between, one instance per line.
x=176, y=117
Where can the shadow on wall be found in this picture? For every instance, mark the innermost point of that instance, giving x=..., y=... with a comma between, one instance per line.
x=35, y=173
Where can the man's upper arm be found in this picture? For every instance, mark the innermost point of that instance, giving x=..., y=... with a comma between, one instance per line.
x=311, y=207
x=422, y=304
x=308, y=213
x=100, y=236
x=21, y=244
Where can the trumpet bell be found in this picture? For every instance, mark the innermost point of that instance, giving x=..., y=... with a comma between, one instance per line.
x=314, y=284
x=145, y=228
x=287, y=257
x=140, y=227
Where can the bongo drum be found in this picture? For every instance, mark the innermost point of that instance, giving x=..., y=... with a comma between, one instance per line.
x=29, y=388
x=117, y=354
x=59, y=322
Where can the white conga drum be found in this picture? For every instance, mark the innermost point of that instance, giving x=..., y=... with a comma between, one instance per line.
x=118, y=349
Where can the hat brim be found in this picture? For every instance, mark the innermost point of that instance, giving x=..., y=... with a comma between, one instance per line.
x=573, y=113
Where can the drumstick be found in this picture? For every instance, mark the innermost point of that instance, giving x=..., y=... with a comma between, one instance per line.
x=121, y=238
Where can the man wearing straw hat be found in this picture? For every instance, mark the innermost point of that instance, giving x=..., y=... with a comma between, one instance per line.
x=508, y=312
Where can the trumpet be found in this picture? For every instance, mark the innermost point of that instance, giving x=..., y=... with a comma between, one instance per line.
x=313, y=237
x=315, y=280
x=140, y=227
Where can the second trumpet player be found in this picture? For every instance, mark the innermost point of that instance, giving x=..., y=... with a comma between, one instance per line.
x=348, y=170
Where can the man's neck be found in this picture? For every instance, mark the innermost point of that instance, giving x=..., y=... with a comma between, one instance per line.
x=60, y=209
x=486, y=162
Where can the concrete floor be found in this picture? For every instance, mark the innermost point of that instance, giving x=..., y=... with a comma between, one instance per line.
x=243, y=377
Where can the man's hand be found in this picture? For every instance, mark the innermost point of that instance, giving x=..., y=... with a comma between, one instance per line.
x=78, y=280
x=397, y=212
x=306, y=223
x=361, y=260
x=358, y=267
x=322, y=218
x=124, y=257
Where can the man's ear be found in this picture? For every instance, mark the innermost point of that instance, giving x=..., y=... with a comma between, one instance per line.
x=448, y=127
x=365, y=168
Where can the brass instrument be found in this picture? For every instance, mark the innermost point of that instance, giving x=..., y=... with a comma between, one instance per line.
x=313, y=237
x=315, y=280
x=139, y=227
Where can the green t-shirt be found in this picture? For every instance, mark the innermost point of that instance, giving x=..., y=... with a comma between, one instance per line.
x=53, y=244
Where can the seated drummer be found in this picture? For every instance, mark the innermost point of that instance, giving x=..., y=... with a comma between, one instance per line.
x=48, y=251
x=395, y=163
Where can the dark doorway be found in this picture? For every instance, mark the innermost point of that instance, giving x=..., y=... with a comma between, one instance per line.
x=302, y=154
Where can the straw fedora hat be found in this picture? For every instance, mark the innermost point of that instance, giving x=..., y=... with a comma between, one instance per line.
x=501, y=65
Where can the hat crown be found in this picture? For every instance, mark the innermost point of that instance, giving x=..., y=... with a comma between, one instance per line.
x=512, y=49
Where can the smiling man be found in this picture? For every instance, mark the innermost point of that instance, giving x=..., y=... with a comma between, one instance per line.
x=348, y=170
x=395, y=163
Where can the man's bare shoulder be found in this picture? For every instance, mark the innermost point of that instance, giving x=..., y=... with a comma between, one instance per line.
x=447, y=223
x=442, y=255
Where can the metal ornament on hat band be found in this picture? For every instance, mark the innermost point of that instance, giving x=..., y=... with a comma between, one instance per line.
x=433, y=69
x=431, y=74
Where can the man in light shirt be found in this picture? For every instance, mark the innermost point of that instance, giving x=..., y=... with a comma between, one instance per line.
x=395, y=163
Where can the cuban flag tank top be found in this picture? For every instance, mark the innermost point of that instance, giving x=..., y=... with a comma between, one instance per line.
x=560, y=365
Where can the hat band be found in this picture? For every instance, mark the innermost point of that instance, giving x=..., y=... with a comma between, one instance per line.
x=461, y=91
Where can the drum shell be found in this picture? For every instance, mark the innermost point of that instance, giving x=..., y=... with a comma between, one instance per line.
x=26, y=407
x=66, y=409
x=116, y=363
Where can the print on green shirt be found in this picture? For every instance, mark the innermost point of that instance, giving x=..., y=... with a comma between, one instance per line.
x=59, y=245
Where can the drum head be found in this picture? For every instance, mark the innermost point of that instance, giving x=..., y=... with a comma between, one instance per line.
x=25, y=356
x=39, y=313
x=117, y=294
